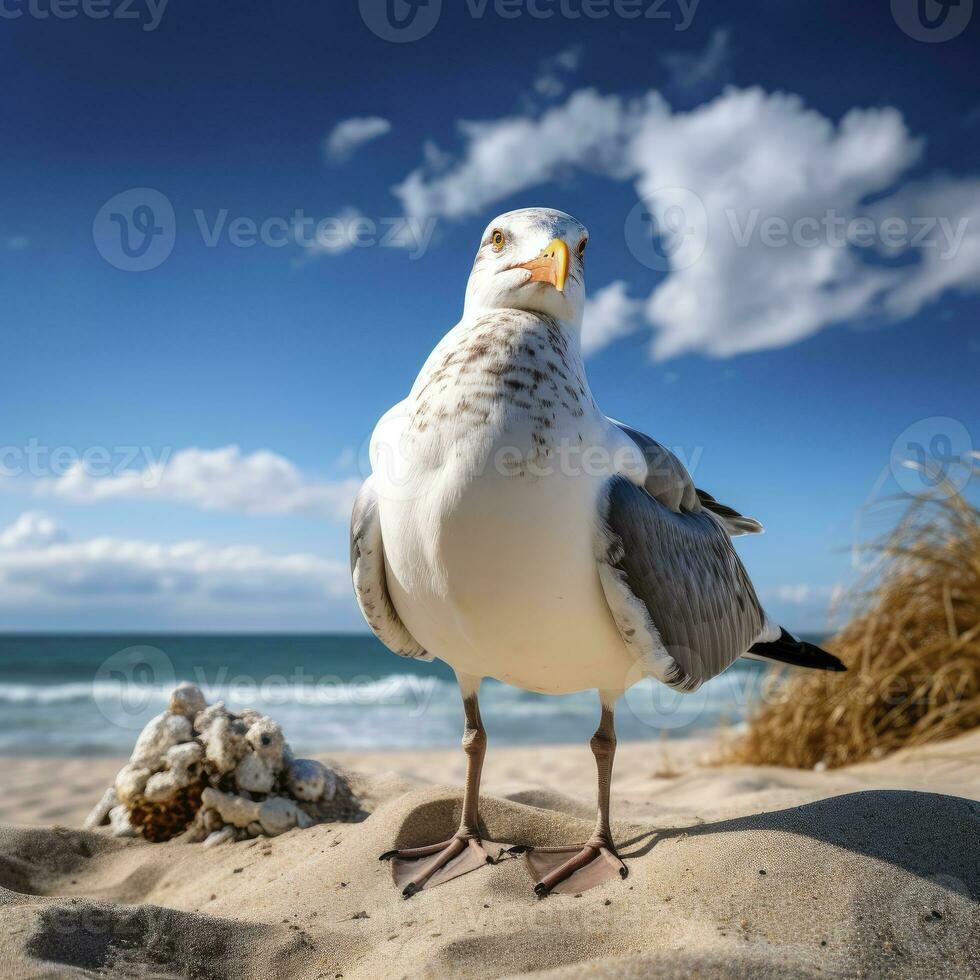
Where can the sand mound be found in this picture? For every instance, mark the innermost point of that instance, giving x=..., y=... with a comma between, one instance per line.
x=873, y=882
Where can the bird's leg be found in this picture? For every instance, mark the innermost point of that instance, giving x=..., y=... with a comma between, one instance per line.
x=475, y=747
x=593, y=862
x=424, y=867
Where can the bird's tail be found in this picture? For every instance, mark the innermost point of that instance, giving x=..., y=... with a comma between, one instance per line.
x=789, y=650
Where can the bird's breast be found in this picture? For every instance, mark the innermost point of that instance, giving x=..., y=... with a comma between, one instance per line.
x=489, y=532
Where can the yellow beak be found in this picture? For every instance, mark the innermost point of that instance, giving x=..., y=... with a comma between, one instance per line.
x=551, y=265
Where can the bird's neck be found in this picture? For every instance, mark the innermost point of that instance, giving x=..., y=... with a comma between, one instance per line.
x=508, y=357
x=513, y=332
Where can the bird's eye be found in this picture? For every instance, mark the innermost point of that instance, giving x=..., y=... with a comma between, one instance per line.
x=581, y=247
x=497, y=240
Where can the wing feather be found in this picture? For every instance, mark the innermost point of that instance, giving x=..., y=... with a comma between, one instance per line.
x=367, y=562
x=668, y=481
x=681, y=568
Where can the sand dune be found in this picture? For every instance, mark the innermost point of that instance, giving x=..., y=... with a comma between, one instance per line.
x=871, y=871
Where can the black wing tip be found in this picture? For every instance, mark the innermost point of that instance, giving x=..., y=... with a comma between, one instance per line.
x=737, y=523
x=798, y=653
x=832, y=663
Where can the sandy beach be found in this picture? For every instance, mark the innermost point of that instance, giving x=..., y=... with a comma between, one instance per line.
x=868, y=871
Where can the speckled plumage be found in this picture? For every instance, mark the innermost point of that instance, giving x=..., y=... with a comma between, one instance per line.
x=497, y=535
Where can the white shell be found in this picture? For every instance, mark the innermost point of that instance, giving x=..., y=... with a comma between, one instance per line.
x=183, y=768
x=160, y=734
x=310, y=780
x=194, y=741
x=130, y=782
x=119, y=822
x=277, y=815
x=255, y=774
x=222, y=836
x=235, y=810
x=266, y=740
x=99, y=814
x=187, y=700
x=224, y=745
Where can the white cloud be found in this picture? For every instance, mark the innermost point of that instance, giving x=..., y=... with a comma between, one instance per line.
x=554, y=72
x=213, y=479
x=951, y=258
x=609, y=314
x=331, y=236
x=31, y=530
x=515, y=153
x=693, y=70
x=803, y=594
x=349, y=135
x=805, y=607
x=41, y=567
x=750, y=158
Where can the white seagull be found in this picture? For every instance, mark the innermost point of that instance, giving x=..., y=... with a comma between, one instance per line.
x=514, y=531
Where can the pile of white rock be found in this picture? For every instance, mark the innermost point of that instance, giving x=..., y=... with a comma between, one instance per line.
x=201, y=773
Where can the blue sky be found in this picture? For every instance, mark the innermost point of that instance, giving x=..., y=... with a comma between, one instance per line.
x=782, y=363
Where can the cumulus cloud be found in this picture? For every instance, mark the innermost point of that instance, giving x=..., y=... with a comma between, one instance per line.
x=772, y=192
x=334, y=235
x=553, y=75
x=31, y=530
x=517, y=152
x=693, y=70
x=41, y=566
x=609, y=314
x=803, y=594
x=213, y=479
x=349, y=135
x=803, y=606
x=949, y=256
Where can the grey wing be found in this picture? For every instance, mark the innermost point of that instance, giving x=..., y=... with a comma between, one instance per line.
x=367, y=564
x=669, y=482
x=675, y=586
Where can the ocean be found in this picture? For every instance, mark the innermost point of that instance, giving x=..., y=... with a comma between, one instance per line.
x=89, y=695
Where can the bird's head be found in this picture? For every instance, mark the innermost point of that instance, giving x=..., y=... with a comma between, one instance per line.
x=532, y=259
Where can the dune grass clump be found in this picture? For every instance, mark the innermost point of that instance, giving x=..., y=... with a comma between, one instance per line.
x=912, y=650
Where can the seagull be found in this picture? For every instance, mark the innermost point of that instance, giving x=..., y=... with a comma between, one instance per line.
x=514, y=531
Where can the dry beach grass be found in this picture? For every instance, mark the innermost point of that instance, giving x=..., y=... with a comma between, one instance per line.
x=912, y=652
